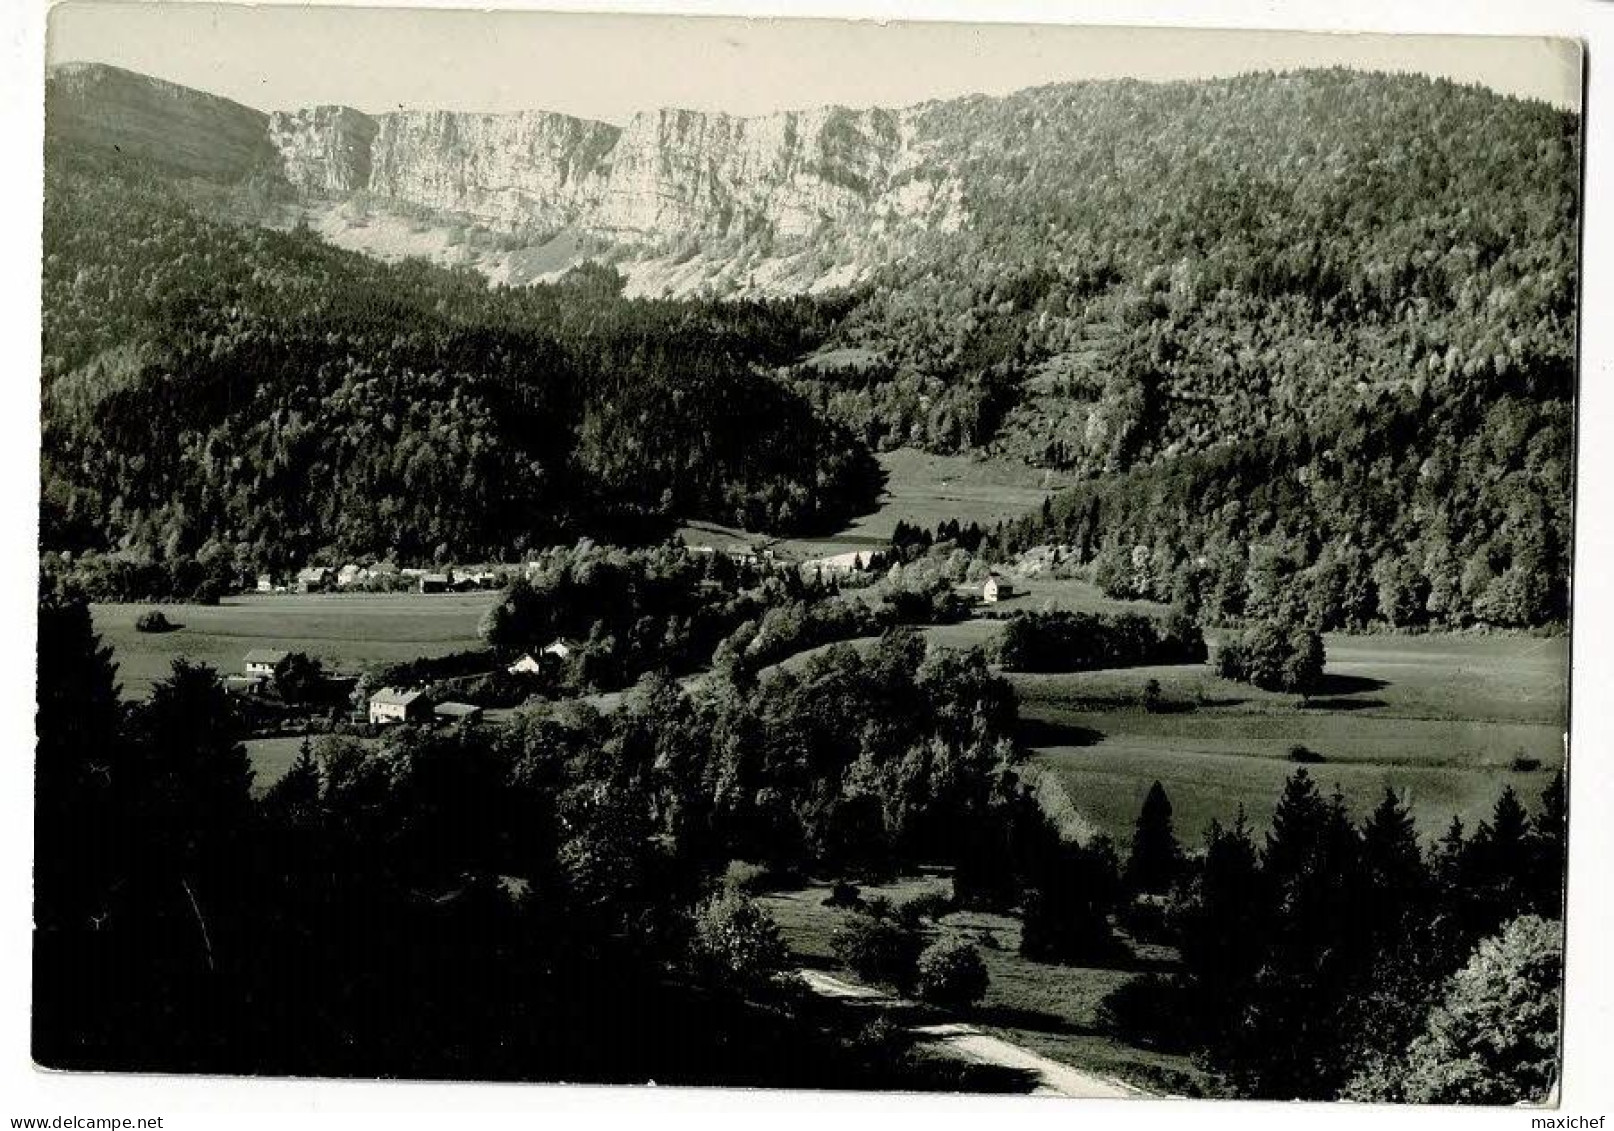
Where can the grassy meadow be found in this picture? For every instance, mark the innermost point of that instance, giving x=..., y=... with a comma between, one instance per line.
x=1445, y=719
x=921, y=489
x=346, y=631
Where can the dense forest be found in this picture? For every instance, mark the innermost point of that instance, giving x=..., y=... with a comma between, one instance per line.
x=229, y=395
x=1305, y=344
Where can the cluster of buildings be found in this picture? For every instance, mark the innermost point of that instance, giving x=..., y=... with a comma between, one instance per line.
x=389, y=705
x=383, y=575
x=410, y=705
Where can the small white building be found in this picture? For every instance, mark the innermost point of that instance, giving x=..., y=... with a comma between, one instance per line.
x=348, y=576
x=265, y=663
x=528, y=664
x=996, y=589
x=394, y=705
x=560, y=648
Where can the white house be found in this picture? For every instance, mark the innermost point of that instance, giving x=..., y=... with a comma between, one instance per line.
x=560, y=648
x=996, y=589
x=528, y=664
x=392, y=705
x=348, y=575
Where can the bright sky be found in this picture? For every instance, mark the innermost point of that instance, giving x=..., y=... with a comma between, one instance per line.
x=606, y=67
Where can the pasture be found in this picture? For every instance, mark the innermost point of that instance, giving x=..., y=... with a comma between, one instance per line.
x=345, y=631
x=1049, y=1009
x=925, y=490
x=1445, y=719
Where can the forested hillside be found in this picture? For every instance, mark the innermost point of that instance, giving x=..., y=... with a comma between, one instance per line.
x=1312, y=339
x=1169, y=267
x=253, y=398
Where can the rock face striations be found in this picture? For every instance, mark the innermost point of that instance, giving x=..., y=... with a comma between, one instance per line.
x=668, y=174
x=324, y=149
x=669, y=181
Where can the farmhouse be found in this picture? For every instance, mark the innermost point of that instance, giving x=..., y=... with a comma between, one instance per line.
x=392, y=705
x=348, y=576
x=458, y=713
x=265, y=663
x=996, y=589
x=853, y=561
x=311, y=579
x=528, y=664
x=435, y=582
x=560, y=648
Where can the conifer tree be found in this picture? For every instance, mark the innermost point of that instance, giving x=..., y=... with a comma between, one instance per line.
x=1156, y=858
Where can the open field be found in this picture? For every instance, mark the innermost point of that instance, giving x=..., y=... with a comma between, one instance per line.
x=1049, y=1009
x=921, y=489
x=1441, y=718
x=345, y=631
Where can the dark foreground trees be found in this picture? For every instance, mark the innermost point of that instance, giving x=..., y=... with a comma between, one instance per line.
x=1336, y=959
x=1493, y=1039
x=530, y=901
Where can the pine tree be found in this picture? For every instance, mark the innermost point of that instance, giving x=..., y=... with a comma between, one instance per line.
x=1551, y=845
x=1156, y=859
x=1498, y=865
x=1397, y=879
x=296, y=792
x=1223, y=924
x=1288, y=1047
x=80, y=842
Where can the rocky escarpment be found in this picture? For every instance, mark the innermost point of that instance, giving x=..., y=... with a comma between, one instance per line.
x=523, y=170
x=324, y=148
x=779, y=202
x=669, y=174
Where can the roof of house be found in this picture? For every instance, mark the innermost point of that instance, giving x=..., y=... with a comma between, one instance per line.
x=272, y=656
x=458, y=710
x=443, y=577
x=311, y=573
x=392, y=696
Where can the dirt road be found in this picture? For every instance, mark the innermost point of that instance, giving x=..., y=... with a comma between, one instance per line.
x=968, y=1043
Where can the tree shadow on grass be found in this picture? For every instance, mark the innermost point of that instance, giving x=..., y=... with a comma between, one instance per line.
x=1335, y=683
x=1342, y=704
x=1048, y=732
x=1035, y=1020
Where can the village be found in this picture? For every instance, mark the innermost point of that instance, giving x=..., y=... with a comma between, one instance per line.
x=283, y=691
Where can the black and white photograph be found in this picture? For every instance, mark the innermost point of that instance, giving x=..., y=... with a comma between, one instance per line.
x=805, y=554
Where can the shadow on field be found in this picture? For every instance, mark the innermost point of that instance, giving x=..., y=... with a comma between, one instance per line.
x=1342, y=704
x=1036, y=1020
x=1334, y=683
x=1048, y=732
